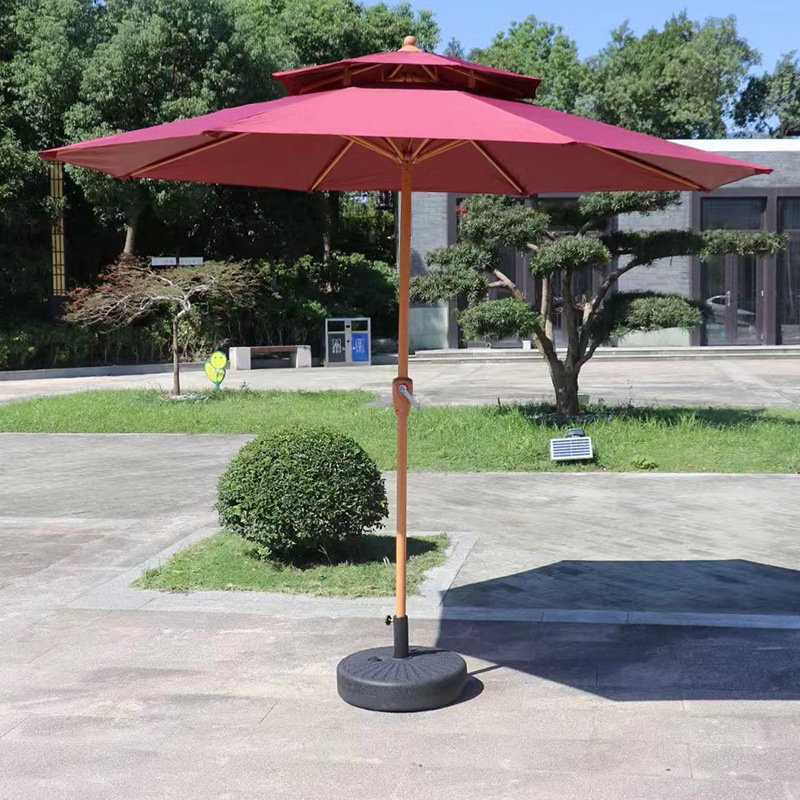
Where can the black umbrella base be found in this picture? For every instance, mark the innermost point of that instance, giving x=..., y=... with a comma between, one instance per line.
x=426, y=678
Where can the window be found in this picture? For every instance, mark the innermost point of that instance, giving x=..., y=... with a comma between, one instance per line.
x=745, y=214
x=789, y=214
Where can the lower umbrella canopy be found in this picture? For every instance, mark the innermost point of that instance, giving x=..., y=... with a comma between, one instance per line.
x=355, y=138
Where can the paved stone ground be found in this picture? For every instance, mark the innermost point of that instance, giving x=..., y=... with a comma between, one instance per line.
x=636, y=542
x=164, y=704
x=731, y=382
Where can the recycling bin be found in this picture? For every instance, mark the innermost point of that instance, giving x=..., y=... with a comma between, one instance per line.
x=348, y=341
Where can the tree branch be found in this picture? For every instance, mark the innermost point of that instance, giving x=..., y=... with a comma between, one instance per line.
x=544, y=344
x=507, y=283
x=546, y=306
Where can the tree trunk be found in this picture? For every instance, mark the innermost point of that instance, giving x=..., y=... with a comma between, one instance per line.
x=330, y=222
x=176, y=375
x=131, y=226
x=565, y=383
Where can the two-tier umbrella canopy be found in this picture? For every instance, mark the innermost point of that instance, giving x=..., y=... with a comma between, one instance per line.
x=393, y=121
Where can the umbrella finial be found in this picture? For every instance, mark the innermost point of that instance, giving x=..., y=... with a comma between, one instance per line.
x=410, y=44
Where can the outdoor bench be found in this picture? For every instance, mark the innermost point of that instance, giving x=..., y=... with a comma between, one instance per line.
x=240, y=357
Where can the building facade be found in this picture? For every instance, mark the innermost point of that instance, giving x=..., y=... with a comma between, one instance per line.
x=753, y=301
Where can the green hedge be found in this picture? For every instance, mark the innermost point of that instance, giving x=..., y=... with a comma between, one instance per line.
x=47, y=345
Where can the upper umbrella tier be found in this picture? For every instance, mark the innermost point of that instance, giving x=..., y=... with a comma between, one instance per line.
x=411, y=66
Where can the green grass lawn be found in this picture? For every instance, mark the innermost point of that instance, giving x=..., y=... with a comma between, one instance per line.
x=227, y=561
x=465, y=438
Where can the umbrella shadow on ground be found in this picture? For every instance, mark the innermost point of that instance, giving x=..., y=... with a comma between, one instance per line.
x=637, y=661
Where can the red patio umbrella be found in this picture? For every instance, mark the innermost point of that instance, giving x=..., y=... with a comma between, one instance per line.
x=386, y=122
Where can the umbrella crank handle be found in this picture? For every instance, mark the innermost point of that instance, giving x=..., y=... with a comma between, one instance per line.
x=408, y=396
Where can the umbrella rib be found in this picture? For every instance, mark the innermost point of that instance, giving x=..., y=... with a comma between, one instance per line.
x=515, y=184
x=366, y=143
x=416, y=153
x=334, y=78
x=429, y=72
x=664, y=173
x=331, y=164
x=473, y=76
x=438, y=150
x=391, y=142
x=185, y=154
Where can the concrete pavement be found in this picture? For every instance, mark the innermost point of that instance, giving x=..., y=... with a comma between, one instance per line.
x=745, y=382
x=193, y=705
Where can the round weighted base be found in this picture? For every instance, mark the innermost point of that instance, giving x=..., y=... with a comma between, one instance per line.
x=426, y=678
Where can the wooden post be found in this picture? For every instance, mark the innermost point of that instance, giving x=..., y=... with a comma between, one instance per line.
x=401, y=409
x=57, y=230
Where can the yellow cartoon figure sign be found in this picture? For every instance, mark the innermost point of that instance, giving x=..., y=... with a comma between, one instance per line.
x=215, y=367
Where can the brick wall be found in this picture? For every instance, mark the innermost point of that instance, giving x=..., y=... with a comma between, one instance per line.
x=668, y=274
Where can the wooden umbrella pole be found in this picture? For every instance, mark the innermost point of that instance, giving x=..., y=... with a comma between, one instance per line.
x=401, y=409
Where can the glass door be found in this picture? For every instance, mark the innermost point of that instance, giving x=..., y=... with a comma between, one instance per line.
x=731, y=285
x=789, y=291
x=730, y=291
x=789, y=272
x=744, y=299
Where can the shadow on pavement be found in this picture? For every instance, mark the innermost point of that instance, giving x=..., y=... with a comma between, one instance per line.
x=720, y=586
x=638, y=662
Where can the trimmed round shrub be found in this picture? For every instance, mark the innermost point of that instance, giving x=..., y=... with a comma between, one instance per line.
x=302, y=496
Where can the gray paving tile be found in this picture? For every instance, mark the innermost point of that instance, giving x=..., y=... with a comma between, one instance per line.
x=624, y=787
x=11, y=719
x=716, y=701
x=577, y=756
x=38, y=768
x=141, y=733
x=472, y=781
x=792, y=790
x=289, y=779
x=639, y=758
x=747, y=763
x=634, y=724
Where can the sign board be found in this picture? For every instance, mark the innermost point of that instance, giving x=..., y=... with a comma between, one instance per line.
x=347, y=341
x=215, y=367
x=169, y=261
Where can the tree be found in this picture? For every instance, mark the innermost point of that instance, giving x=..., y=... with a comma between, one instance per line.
x=306, y=32
x=771, y=102
x=542, y=50
x=132, y=291
x=54, y=41
x=679, y=82
x=294, y=297
x=43, y=44
x=73, y=69
x=163, y=60
x=454, y=49
x=577, y=258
